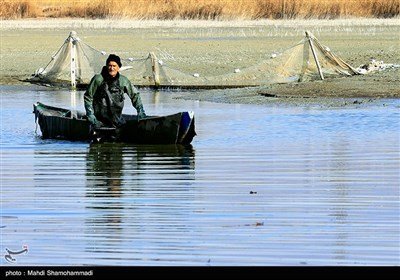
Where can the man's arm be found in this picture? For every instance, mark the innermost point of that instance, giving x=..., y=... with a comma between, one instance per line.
x=88, y=98
x=134, y=95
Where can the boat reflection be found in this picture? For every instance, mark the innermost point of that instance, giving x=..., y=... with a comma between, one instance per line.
x=121, y=178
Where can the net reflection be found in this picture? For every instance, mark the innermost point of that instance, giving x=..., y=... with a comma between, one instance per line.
x=121, y=180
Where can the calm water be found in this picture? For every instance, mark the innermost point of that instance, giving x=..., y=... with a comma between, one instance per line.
x=260, y=185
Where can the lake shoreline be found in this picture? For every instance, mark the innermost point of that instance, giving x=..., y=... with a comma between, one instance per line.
x=196, y=46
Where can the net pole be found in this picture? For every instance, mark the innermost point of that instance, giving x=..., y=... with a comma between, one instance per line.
x=73, y=41
x=73, y=104
x=73, y=60
x=310, y=39
x=155, y=69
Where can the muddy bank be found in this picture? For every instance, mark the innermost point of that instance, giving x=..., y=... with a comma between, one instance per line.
x=360, y=89
x=216, y=49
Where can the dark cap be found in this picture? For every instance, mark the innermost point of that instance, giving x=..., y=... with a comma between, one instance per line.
x=115, y=58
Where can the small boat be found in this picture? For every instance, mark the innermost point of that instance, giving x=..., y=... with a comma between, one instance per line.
x=61, y=123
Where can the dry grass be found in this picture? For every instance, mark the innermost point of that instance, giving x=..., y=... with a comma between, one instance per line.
x=205, y=9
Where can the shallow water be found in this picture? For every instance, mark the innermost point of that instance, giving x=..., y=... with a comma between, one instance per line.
x=260, y=185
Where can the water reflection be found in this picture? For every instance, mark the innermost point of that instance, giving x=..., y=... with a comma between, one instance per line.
x=324, y=182
x=121, y=179
x=341, y=198
x=104, y=175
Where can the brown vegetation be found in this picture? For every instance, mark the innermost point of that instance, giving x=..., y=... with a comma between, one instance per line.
x=205, y=9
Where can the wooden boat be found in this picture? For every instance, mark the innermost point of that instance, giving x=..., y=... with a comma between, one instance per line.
x=60, y=123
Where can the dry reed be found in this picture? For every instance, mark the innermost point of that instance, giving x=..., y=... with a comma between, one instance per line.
x=205, y=9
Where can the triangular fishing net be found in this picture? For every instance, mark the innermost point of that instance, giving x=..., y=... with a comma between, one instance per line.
x=75, y=63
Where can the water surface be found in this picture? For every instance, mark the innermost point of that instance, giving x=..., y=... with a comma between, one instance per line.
x=259, y=185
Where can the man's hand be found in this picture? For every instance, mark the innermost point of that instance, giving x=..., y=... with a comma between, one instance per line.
x=92, y=119
x=141, y=115
x=96, y=123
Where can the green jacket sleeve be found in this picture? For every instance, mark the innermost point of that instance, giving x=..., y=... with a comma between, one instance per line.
x=91, y=90
x=133, y=94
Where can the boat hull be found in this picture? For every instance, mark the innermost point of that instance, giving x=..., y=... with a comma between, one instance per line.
x=60, y=123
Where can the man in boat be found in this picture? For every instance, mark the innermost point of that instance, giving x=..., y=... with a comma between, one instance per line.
x=104, y=98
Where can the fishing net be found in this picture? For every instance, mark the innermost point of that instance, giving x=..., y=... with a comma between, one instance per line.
x=75, y=63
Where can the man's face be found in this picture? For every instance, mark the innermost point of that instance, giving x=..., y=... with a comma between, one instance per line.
x=113, y=68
